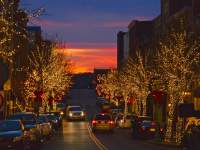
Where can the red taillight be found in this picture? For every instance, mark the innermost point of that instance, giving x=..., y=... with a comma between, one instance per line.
x=111, y=122
x=153, y=124
x=142, y=129
x=94, y=122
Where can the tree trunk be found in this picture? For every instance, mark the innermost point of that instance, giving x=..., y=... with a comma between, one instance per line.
x=125, y=105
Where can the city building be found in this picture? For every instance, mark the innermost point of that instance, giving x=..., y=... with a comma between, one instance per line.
x=143, y=36
x=126, y=46
x=120, y=49
x=140, y=37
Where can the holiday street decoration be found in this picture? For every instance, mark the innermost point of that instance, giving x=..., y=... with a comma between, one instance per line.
x=157, y=96
x=49, y=74
x=176, y=59
x=12, y=28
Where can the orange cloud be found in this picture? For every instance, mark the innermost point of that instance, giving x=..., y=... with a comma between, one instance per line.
x=86, y=59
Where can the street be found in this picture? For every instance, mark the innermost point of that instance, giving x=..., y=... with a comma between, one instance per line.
x=78, y=136
x=70, y=70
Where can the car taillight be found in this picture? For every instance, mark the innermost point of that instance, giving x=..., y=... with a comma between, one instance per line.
x=142, y=129
x=111, y=122
x=161, y=129
x=153, y=124
x=94, y=122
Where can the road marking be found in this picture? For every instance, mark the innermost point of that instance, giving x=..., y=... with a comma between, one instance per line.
x=96, y=140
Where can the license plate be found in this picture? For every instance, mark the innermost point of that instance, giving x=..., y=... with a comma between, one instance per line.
x=152, y=130
x=101, y=122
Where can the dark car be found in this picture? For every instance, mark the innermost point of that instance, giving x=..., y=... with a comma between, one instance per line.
x=191, y=136
x=61, y=107
x=13, y=135
x=31, y=125
x=103, y=104
x=59, y=117
x=53, y=120
x=102, y=122
x=115, y=112
x=100, y=101
x=143, y=127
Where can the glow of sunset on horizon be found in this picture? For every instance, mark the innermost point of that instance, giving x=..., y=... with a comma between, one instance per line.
x=86, y=59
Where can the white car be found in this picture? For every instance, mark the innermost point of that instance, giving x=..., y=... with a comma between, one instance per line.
x=125, y=121
x=75, y=113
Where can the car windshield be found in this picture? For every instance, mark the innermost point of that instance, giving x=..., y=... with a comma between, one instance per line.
x=57, y=114
x=51, y=117
x=102, y=117
x=75, y=108
x=42, y=119
x=146, y=123
x=130, y=117
x=9, y=126
x=60, y=105
x=145, y=118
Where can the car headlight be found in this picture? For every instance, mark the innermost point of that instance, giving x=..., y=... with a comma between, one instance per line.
x=55, y=121
x=70, y=114
x=82, y=113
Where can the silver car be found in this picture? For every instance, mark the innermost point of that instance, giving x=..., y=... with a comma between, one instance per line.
x=75, y=113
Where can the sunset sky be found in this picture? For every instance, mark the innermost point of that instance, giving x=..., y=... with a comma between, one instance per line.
x=89, y=27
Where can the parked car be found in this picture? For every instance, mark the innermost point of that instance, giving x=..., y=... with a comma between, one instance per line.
x=53, y=121
x=45, y=126
x=61, y=107
x=75, y=113
x=13, y=135
x=103, y=104
x=59, y=117
x=190, y=140
x=115, y=112
x=125, y=121
x=100, y=101
x=144, y=127
x=31, y=126
x=102, y=122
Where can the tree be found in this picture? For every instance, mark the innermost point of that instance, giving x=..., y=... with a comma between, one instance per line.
x=13, y=28
x=49, y=74
x=136, y=76
x=107, y=84
x=132, y=81
x=176, y=59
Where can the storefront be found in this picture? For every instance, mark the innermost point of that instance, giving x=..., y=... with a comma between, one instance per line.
x=156, y=106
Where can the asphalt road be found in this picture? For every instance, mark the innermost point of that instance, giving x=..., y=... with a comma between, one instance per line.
x=77, y=135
